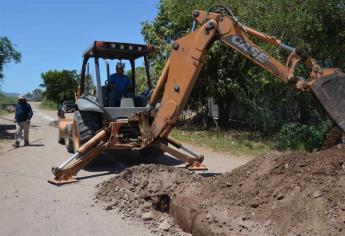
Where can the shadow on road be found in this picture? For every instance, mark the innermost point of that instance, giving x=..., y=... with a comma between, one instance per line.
x=97, y=175
x=167, y=160
x=115, y=162
x=209, y=174
x=5, y=131
x=35, y=145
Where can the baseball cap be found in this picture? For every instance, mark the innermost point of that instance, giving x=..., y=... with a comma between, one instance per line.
x=21, y=97
x=120, y=65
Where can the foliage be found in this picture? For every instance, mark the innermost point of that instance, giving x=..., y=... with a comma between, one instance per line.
x=232, y=142
x=246, y=94
x=174, y=18
x=89, y=84
x=47, y=104
x=28, y=96
x=8, y=53
x=300, y=137
x=36, y=95
x=59, y=85
x=6, y=99
x=140, y=77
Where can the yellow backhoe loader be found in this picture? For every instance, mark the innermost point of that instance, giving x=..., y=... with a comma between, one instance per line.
x=146, y=126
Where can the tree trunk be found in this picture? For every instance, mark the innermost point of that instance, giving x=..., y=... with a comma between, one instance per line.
x=304, y=110
x=224, y=106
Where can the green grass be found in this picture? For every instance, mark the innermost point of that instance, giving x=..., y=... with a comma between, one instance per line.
x=48, y=105
x=3, y=112
x=7, y=100
x=229, y=141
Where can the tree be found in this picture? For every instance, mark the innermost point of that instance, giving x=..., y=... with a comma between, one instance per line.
x=89, y=84
x=8, y=53
x=59, y=85
x=37, y=94
x=28, y=96
x=140, y=77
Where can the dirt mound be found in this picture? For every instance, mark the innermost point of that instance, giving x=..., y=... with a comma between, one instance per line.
x=144, y=192
x=291, y=194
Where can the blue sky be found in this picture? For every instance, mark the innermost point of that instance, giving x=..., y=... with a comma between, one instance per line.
x=52, y=34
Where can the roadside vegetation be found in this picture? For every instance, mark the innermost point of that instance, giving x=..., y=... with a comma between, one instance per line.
x=59, y=86
x=228, y=141
x=292, y=136
x=5, y=100
x=3, y=112
x=8, y=54
x=36, y=95
x=48, y=105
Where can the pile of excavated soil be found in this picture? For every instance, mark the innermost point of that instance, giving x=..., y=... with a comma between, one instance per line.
x=144, y=191
x=290, y=194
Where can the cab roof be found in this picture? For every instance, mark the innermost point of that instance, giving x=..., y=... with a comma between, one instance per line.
x=117, y=50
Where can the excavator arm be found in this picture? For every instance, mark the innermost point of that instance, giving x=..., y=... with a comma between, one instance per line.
x=186, y=59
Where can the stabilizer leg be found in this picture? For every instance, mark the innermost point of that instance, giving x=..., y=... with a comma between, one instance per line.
x=66, y=172
x=193, y=160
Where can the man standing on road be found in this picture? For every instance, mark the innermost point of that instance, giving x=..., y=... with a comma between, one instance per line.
x=22, y=118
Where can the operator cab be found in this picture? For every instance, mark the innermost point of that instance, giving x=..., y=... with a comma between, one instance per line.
x=112, y=54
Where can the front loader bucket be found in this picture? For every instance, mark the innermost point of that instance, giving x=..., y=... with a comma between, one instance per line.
x=330, y=91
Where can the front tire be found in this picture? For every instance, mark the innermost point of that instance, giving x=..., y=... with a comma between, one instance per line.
x=69, y=139
x=61, y=139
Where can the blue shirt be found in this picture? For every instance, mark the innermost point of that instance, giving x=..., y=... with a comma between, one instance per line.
x=23, y=112
x=119, y=83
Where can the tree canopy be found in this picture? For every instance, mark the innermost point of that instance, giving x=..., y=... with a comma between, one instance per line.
x=59, y=85
x=8, y=53
x=36, y=95
x=140, y=77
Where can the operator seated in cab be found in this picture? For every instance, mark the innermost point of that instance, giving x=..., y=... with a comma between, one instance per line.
x=120, y=86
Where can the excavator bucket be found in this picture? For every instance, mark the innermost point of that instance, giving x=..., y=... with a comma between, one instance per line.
x=330, y=91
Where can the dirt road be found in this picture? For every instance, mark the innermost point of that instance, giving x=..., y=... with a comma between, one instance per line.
x=31, y=206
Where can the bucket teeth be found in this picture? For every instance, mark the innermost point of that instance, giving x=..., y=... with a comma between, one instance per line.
x=330, y=91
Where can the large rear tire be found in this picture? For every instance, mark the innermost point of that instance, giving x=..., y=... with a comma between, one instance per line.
x=85, y=126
